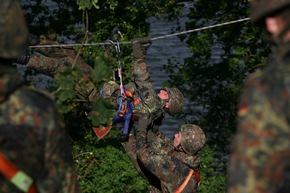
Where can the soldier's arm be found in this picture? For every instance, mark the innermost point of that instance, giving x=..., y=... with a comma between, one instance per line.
x=140, y=74
x=159, y=163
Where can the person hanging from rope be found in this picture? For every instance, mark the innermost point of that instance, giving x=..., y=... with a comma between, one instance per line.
x=151, y=106
x=169, y=166
x=123, y=100
x=52, y=60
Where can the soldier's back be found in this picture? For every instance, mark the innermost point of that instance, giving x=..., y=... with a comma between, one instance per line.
x=30, y=132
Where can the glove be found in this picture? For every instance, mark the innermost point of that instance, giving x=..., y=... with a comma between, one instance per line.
x=140, y=46
x=23, y=58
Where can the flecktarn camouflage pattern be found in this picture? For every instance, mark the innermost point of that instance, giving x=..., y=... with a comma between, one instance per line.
x=260, y=153
x=176, y=100
x=33, y=137
x=151, y=106
x=13, y=31
x=193, y=138
x=109, y=88
x=171, y=167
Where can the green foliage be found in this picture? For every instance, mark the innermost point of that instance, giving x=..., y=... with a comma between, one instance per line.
x=222, y=58
x=103, y=113
x=213, y=77
x=69, y=83
x=103, y=167
x=84, y=4
x=212, y=171
x=66, y=81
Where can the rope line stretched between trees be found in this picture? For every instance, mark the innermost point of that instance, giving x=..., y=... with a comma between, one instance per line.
x=155, y=38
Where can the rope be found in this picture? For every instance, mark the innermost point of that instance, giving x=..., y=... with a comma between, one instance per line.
x=156, y=38
x=200, y=29
x=117, y=49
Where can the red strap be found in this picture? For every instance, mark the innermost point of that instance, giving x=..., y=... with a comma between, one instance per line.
x=197, y=176
x=6, y=167
x=135, y=101
x=32, y=189
x=8, y=170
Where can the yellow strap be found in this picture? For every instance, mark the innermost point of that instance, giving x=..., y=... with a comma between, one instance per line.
x=22, y=181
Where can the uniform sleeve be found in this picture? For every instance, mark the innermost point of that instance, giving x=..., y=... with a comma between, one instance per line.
x=59, y=174
x=260, y=156
x=158, y=160
x=140, y=74
x=150, y=104
x=44, y=64
x=141, y=78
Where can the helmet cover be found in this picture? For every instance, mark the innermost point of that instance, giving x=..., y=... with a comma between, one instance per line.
x=193, y=138
x=176, y=100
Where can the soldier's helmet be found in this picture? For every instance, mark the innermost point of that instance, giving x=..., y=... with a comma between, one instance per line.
x=176, y=100
x=193, y=138
x=262, y=8
x=13, y=29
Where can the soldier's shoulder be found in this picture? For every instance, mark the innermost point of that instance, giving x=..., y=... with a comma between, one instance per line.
x=43, y=93
x=35, y=97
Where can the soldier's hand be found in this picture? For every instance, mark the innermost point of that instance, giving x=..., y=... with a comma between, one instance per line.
x=140, y=46
x=143, y=41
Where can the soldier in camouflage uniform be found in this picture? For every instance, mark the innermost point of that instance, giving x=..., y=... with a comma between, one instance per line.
x=55, y=58
x=169, y=166
x=153, y=106
x=260, y=158
x=33, y=141
x=51, y=60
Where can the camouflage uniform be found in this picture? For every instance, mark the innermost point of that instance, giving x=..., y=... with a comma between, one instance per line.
x=260, y=158
x=150, y=103
x=151, y=106
x=50, y=61
x=151, y=109
x=32, y=135
x=165, y=167
x=54, y=59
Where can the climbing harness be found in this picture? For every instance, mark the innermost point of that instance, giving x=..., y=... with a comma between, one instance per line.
x=125, y=107
x=17, y=177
